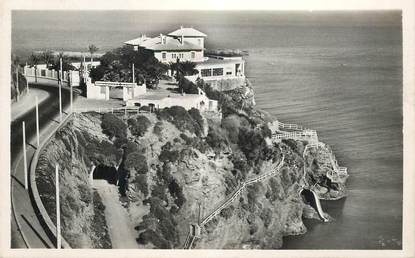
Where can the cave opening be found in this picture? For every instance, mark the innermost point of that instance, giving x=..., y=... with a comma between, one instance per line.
x=107, y=173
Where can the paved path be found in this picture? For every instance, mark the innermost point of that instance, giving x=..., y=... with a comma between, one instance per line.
x=27, y=102
x=23, y=215
x=120, y=228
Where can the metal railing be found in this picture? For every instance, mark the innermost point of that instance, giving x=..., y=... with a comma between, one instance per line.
x=115, y=84
x=191, y=238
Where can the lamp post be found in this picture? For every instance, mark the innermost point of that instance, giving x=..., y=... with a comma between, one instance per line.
x=58, y=212
x=37, y=122
x=133, y=74
x=24, y=156
x=71, y=97
x=60, y=90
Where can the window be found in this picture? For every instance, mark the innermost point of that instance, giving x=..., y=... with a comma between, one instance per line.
x=193, y=55
x=163, y=55
x=217, y=71
x=199, y=41
x=206, y=72
x=42, y=72
x=173, y=55
x=228, y=73
x=181, y=55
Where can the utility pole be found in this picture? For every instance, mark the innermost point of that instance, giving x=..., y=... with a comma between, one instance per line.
x=24, y=156
x=58, y=211
x=60, y=90
x=37, y=123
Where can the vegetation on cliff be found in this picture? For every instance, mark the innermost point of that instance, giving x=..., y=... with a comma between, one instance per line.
x=182, y=164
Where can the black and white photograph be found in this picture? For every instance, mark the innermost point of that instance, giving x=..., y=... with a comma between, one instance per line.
x=206, y=129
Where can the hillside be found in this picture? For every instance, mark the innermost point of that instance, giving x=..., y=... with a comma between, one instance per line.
x=177, y=166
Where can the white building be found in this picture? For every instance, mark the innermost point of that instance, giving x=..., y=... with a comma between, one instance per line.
x=187, y=44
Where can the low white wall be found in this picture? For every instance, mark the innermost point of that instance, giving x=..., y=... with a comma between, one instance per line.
x=43, y=75
x=188, y=101
x=96, y=92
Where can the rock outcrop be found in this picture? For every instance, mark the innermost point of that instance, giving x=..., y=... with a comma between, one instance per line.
x=181, y=167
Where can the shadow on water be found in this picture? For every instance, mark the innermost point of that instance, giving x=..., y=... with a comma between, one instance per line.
x=333, y=208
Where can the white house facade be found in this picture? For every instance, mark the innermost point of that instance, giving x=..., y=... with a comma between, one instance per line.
x=187, y=44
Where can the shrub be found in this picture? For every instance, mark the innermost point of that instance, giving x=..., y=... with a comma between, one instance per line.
x=231, y=124
x=188, y=140
x=158, y=128
x=85, y=193
x=166, y=221
x=197, y=117
x=209, y=91
x=266, y=216
x=216, y=138
x=159, y=191
x=137, y=162
x=168, y=155
x=103, y=152
x=151, y=236
x=273, y=190
x=178, y=116
x=187, y=86
x=240, y=163
x=130, y=147
x=113, y=126
x=252, y=195
x=139, y=126
x=141, y=184
x=227, y=212
x=294, y=145
x=253, y=228
x=252, y=144
x=177, y=192
x=119, y=142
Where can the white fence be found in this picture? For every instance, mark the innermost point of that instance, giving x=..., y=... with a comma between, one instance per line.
x=307, y=135
x=233, y=197
x=125, y=110
x=277, y=126
x=69, y=77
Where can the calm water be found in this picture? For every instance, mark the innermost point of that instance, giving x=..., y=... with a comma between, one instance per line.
x=339, y=73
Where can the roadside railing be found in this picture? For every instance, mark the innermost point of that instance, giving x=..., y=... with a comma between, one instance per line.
x=44, y=218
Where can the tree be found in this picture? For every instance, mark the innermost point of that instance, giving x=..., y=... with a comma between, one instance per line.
x=47, y=57
x=92, y=49
x=66, y=63
x=183, y=68
x=34, y=60
x=113, y=126
x=116, y=65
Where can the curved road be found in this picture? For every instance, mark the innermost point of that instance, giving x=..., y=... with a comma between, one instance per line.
x=27, y=231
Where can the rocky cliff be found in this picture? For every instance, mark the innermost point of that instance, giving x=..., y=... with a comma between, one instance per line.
x=180, y=165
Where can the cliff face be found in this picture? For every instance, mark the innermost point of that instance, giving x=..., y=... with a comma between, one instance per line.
x=83, y=222
x=181, y=166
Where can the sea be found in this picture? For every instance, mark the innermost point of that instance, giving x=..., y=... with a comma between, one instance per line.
x=339, y=73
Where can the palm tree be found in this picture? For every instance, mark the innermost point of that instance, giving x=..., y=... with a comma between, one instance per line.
x=92, y=49
x=47, y=57
x=34, y=60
